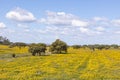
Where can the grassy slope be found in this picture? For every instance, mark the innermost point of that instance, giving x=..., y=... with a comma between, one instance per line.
x=76, y=65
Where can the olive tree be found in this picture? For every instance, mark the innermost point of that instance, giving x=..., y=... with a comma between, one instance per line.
x=37, y=49
x=58, y=47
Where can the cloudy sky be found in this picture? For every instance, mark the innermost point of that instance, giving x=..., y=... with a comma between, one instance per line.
x=73, y=21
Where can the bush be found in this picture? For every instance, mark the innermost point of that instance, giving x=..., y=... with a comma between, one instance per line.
x=13, y=55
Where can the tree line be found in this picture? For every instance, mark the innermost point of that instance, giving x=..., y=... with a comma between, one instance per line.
x=4, y=40
x=96, y=46
x=57, y=46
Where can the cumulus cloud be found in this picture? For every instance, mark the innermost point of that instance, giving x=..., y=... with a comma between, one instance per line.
x=59, y=24
x=23, y=26
x=62, y=19
x=66, y=25
x=100, y=19
x=84, y=30
x=27, y=30
x=100, y=28
x=72, y=24
x=57, y=18
x=116, y=22
x=90, y=32
x=79, y=23
x=2, y=25
x=10, y=31
x=20, y=15
x=48, y=30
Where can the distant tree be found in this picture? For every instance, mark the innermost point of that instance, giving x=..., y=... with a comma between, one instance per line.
x=100, y=47
x=58, y=47
x=4, y=40
x=115, y=46
x=91, y=47
x=84, y=46
x=18, y=44
x=37, y=49
x=107, y=47
x=76, y=46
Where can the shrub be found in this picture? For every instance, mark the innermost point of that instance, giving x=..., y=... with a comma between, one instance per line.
x=13, y=55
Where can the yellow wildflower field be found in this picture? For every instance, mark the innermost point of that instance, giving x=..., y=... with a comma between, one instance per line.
x=78, y=64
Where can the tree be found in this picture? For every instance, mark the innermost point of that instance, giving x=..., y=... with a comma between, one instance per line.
x=76, y=46
x=18, y=44
x=4, y=40
x=58, y=47
x=37, y=49
x=115, y=46
x=91, y=47
x=84, y=46
x=100, y=47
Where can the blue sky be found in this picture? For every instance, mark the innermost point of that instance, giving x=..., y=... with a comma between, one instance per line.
x=73, y=21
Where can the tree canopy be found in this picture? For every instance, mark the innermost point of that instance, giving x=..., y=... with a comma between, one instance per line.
x=58, y=47
x=4, y=40
x=37, y=49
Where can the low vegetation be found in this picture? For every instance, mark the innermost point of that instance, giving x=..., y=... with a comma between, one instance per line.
x=78, y=64
x=18, y=61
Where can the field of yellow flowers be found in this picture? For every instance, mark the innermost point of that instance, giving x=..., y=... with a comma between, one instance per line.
x=78, y=64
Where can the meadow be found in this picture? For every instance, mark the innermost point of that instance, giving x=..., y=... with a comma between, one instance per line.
x=77, y=64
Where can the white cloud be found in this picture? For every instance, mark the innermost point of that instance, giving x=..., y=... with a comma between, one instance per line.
x=27, y=30
x=90, y=32
x=84, y=30
x=52, y=29
x=20, y=15
x=65, y=25
x=100, y=19
x=61, y=13
x=2, y=25
x=41, y=31
x=22, y=26
x=10, y=31
x=72, y=24
x=48, y=30
x=116, y=22
x=79, y=23
x=100, y=28
x=62, y=19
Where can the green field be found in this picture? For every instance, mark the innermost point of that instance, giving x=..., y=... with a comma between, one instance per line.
x=78, y=64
